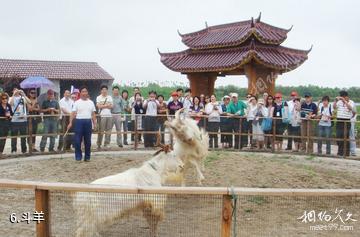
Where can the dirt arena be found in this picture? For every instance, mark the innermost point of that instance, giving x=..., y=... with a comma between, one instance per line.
x=190, y=215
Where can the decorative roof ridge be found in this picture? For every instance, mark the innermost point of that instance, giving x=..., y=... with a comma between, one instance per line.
x=252, y=46
x=45, y=61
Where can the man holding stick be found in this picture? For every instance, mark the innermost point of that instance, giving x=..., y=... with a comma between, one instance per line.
x=84, y=118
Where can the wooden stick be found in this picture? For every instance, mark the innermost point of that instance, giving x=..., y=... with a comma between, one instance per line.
x=226, y=216
x=42, y=206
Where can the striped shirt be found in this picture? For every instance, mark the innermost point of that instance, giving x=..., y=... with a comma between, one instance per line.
x=307, y=109
x=343, y=112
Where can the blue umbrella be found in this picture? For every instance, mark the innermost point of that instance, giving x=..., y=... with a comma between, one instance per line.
x=36, y=82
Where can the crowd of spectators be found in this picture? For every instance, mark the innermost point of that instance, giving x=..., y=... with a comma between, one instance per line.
x=255, y=122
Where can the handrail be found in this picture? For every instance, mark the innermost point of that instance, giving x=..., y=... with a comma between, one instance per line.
x=76, y=187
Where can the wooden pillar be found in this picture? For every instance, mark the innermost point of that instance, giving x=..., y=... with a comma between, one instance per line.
x=226, y=216
x=202, y=83
x=260, y=79
x=42, y=205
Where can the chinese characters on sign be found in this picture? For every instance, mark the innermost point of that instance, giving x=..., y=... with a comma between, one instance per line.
x=27, y=217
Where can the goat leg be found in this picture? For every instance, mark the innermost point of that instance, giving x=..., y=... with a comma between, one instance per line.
x=198, y=170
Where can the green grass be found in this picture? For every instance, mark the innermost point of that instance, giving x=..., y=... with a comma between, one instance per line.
x=310, y=157
x=310, y=170
x=212, y=157
x=259, y=200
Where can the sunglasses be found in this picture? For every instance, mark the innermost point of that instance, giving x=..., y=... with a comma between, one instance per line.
x=32, y=92
x=4, y=98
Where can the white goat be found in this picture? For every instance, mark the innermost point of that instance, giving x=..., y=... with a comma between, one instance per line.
x=98, y=211
x=191, y=143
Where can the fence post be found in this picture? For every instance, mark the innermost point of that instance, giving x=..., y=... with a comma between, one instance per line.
x=226, y=216
x=345, y=139
x=308, y=123
x=30, y=142
x=136, y=133
x=42, y=205
x=240, y=132
x=273, y=134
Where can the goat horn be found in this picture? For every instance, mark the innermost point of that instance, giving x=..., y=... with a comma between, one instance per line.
x=177, y=114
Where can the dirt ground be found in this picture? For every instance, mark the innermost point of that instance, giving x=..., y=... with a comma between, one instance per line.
x=197, y=215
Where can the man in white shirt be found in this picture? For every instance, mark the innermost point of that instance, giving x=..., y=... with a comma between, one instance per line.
x=84, y=118
x=345, y=112
x=151, y=106
x=66, y=104
x=104, y=104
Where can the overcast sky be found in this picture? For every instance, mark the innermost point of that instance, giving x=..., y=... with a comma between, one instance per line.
x=123, y=36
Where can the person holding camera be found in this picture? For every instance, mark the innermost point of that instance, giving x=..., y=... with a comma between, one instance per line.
x=213, y=110
x=19, y=102
x=6, y=114
x=345, y=112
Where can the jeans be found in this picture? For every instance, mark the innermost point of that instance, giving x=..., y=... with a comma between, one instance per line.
x=125, y=128
x=82, y=131
x=341, y=124
x=324, y=131
x=50, y=126
x=18, y=128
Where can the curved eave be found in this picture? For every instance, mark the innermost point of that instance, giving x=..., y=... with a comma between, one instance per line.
x=280, y=58
x=265, y=33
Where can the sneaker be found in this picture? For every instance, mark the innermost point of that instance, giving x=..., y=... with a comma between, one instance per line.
x=126, y=143
x=87, y=160
x=120, y=145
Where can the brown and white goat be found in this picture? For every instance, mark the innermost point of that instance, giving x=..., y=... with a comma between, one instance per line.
x=191, y=143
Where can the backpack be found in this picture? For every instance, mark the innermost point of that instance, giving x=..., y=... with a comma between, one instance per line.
x=285, y=119
x=322, y=109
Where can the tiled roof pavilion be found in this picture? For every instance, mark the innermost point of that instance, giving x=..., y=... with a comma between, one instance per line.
x=250, y=48
x=61, y=70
